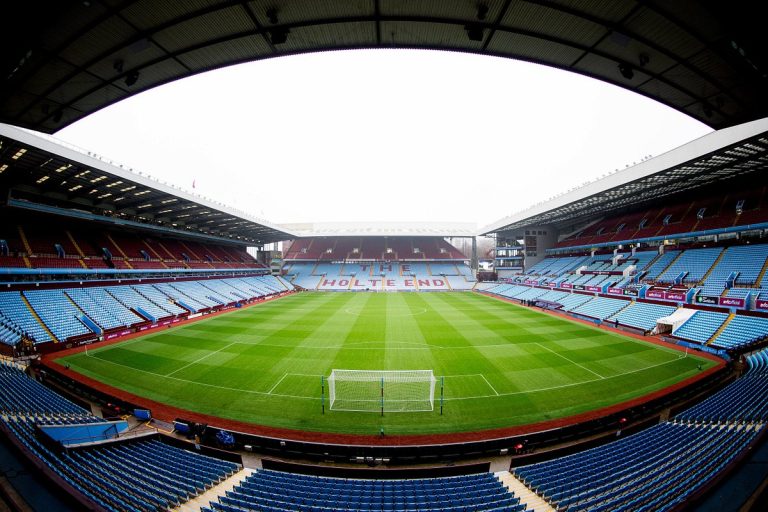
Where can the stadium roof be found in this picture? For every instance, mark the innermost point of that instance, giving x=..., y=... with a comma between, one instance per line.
x=38, y=172
x=716, y=157
x=65, y=59
x=412, y=229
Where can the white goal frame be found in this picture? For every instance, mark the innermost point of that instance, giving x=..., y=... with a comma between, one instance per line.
x=381, y=390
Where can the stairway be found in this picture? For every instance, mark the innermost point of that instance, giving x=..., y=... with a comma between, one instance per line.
x=679, y=254
x=203, y=500
x=24, y=240
x=527, y=496
x=75, y=244
x=169, y=253
x=191, y=252
x=114, y=244
x=715, y=264
x=157, y=255
x=37, y=317
x=762, y=273
x=721, y=329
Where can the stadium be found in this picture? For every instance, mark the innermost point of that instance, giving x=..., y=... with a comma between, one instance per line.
x=164, y=351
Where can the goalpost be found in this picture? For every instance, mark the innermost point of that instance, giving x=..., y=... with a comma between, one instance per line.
x=381, y=390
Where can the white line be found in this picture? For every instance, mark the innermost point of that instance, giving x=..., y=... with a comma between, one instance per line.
x=276, y=384
x=570, y=360
x=563, y=385
x=227, y=388
x=474, y=397
x=200, y=359
x=489, y=385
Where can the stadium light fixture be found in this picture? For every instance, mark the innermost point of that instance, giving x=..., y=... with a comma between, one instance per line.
x=626, y=71
x=132, y=77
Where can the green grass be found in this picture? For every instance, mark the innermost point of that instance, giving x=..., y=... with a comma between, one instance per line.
x=503, y=364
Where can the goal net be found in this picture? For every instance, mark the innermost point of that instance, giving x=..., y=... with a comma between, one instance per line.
x=372, y=390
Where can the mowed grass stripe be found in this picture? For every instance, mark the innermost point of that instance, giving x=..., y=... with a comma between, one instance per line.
x=263, y=364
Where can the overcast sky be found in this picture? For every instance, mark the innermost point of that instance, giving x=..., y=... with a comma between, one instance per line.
x=383, y=135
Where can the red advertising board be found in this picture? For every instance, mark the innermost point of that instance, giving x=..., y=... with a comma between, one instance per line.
x=732, y=301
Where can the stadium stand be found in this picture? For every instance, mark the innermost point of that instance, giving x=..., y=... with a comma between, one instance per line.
x=395, y=276
x=554, y=267
x=742, y=331
x=741, y=206
x=601, y=307
x=17, y=310
x=46, y=243
x=270, y=490
x=58, y=312
x=131, y=475
x=658, y=266
x=71, y=312
x=372, y=249
x=662, y=466
x=102, y=308
x=692, y=265
x=642, y=315
x=744, y=262
x=701, y=326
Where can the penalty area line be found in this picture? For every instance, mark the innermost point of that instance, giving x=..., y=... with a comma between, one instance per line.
x=200, y=359
x=277, y=384
x=489, y=385
x=204, y=384
x=570, y=360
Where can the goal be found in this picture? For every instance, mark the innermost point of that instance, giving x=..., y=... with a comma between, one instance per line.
x=382, y=390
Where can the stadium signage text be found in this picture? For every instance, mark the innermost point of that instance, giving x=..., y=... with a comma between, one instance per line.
x=724, y=301
x=658, y=294
x=362, y=284
x=732, y=301
x=762, y=304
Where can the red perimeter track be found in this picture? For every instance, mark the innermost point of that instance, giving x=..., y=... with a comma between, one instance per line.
x=168, y=413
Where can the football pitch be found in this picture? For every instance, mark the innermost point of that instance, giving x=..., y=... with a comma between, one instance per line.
x=502, y=364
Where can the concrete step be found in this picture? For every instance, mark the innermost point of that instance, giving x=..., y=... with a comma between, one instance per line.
x=527, y=496
x=203, y=500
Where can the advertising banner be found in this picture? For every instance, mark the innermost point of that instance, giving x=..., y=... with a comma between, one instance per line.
x=732, y=302
x=707, y=299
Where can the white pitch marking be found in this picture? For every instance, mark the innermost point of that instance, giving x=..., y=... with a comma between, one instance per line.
x=489, y=385
x=200, y=359
x=474, y=397
x=227, y=388
x=277, y=384
x=570, y=360
x=563, y=385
